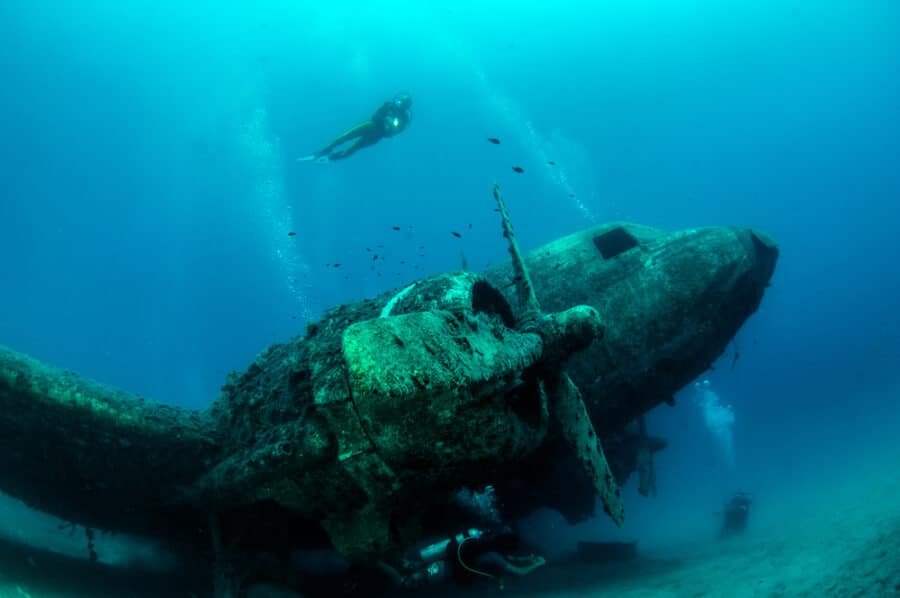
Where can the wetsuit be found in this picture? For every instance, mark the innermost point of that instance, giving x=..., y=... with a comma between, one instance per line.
x=389, y=120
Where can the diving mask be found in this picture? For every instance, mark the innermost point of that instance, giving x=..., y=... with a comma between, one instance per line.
x=402, y=101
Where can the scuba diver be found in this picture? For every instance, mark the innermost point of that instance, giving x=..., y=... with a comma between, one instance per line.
x=389, y=120
x=734, y=518
x=467, y=556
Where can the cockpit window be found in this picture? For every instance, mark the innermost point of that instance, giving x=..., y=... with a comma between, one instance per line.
x=614, y=242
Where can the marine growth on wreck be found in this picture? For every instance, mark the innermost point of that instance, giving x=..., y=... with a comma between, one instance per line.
x=355, y=436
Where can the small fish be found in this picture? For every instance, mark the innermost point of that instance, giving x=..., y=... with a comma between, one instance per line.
x=292, y=234
x=293, y=317
x=421, y=247
x=402, y=261
x=737, y=355
x=470, y=226
x=337, y=265
x=494, y=140
x=496, y=209
x=518, y=169
x=369, y=249
x=571, y=195
x=551, y=162
x=395, y=227
x=374, y=257
x=456, y=234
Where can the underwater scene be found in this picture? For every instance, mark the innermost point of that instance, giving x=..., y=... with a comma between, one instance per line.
x=472, y=298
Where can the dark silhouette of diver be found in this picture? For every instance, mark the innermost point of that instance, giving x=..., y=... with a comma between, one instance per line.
x=734, y=518
x=389, y=120
x=463, y=558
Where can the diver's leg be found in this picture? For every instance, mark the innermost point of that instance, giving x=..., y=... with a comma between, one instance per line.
x=358, y=131
x=364, y=141
x=495, y=562
x=396, y=578
x=327, y=153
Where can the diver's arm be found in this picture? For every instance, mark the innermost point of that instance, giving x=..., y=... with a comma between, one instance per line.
x=383, y=111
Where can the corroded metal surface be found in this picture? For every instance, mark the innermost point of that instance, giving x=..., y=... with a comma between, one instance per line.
x=386, y=405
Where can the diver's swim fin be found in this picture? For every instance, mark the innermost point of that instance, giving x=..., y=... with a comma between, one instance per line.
x=314, y=158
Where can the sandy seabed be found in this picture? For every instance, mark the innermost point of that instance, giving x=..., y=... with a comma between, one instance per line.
x=834, y=539
x=843, y=540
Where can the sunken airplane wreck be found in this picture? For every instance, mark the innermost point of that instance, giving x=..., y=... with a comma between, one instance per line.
x=531, y=377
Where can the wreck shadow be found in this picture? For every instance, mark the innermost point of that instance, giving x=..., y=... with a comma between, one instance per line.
x=571, y=577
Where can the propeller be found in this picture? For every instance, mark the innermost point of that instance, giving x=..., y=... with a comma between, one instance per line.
x=566, y=405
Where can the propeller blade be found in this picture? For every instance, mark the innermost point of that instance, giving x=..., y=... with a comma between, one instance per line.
x=567, y=408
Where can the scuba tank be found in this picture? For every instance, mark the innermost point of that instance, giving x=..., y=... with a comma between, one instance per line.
x=434, y=560
x=438, y=550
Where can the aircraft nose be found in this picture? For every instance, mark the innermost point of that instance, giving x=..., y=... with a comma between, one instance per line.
x=764, y=251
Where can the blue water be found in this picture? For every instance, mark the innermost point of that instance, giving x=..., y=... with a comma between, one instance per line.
x=148, y=185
